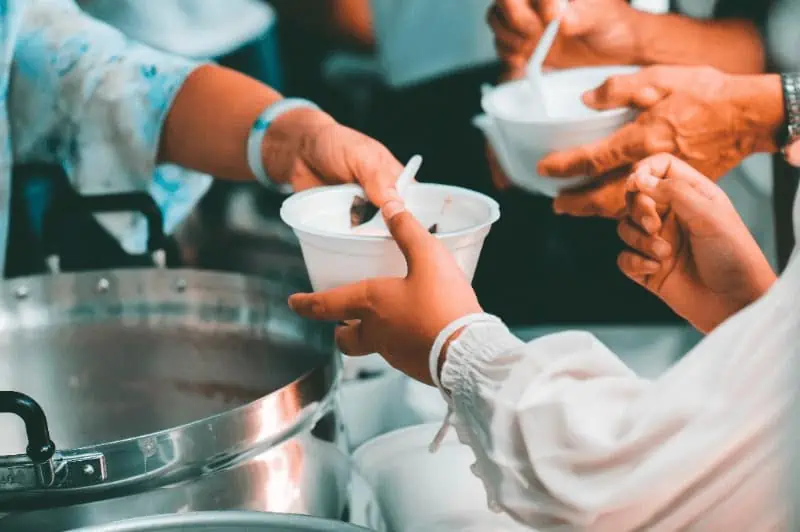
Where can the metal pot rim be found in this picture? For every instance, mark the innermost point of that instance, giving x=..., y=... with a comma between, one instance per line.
x=160, y=522
x=162, y=456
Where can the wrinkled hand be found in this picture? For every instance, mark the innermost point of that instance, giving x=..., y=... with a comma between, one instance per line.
x=308, y=148
x=398, y=318
x=709, y=119
x=592, y=32
x=689, y=246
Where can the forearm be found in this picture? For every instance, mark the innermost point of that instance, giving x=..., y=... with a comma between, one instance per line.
x=210, y=121
x=565, y=434
x=734, y=45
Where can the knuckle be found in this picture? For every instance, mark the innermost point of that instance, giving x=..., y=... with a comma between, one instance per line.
x=653, y=143
x=622, y=228
x=371, y=297
x=637, y=262
x=624, y=261
x=600, y=162
x=611, y=86
x=318, y=307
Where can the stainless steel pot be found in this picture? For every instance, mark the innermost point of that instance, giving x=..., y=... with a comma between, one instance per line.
x=164, y=391
x=238, y=229
x=226, y=522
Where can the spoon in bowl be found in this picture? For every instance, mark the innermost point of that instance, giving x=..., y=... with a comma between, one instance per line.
x=534, y=68
x=362, y=209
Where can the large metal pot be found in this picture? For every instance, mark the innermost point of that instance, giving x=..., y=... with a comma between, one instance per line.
x=226, y=522
x=239, y=230
x=164, y=391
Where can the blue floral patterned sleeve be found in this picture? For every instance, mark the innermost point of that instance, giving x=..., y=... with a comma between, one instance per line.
x=84, y=96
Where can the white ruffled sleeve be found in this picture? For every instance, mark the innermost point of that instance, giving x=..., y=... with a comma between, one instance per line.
x=566, y=435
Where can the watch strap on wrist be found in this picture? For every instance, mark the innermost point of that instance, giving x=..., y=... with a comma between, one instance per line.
x=255, y=158
x=791, y=102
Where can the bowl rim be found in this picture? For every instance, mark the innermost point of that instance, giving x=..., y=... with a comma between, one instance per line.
x=614, y=70
x=401, y=439
x=288, y=203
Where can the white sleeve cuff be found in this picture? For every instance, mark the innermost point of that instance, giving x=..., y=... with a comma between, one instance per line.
x=470, y=324
x=470, y=358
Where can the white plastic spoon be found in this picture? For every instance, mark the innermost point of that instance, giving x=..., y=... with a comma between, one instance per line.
x=534, y=68
x=376, y=224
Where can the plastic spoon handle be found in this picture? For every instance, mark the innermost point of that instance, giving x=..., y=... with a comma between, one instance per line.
x=403, y=181
x=408, y=175
x=534, y=68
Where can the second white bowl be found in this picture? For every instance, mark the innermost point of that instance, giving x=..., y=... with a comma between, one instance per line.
x=521, y=136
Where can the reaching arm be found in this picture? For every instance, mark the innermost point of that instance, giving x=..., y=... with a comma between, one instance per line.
x=112, y=112
x=733, y=42
x=612, y=32
x=733, y=45
x=565, y=434
x=210, y=121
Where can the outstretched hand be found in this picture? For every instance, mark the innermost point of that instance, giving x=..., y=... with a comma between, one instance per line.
x=398, y=318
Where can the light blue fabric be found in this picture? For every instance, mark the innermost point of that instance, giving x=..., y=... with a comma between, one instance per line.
x=77, y=93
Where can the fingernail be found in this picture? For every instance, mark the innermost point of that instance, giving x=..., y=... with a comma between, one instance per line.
x=589, y=98
x=392, y=208
x=648, y=180
x=662, y=249
x=652, y=268
x=650, y=95
x=393, y=195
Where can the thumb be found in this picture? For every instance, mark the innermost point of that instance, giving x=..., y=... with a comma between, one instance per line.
x=578, y=19
x=412, y=238
x=633, y=90
x=679, y=196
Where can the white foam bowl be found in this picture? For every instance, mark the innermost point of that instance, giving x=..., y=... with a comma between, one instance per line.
x=334, y=256
x=418, y=490
x=369, y=407
x=521, y=137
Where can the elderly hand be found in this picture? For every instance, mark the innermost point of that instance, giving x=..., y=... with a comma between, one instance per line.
x=398, y=318
x=308, y=148
x=701, y=259
x=709, y=119
x=592, y=32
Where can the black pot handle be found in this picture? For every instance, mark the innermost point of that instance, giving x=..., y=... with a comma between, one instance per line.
x=40, y=447
x=133, y=202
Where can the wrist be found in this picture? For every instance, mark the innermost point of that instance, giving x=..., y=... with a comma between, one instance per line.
x=438, y=352
x=643, y=28
x=443, y=353
x=758, y=99
x=287, y=137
